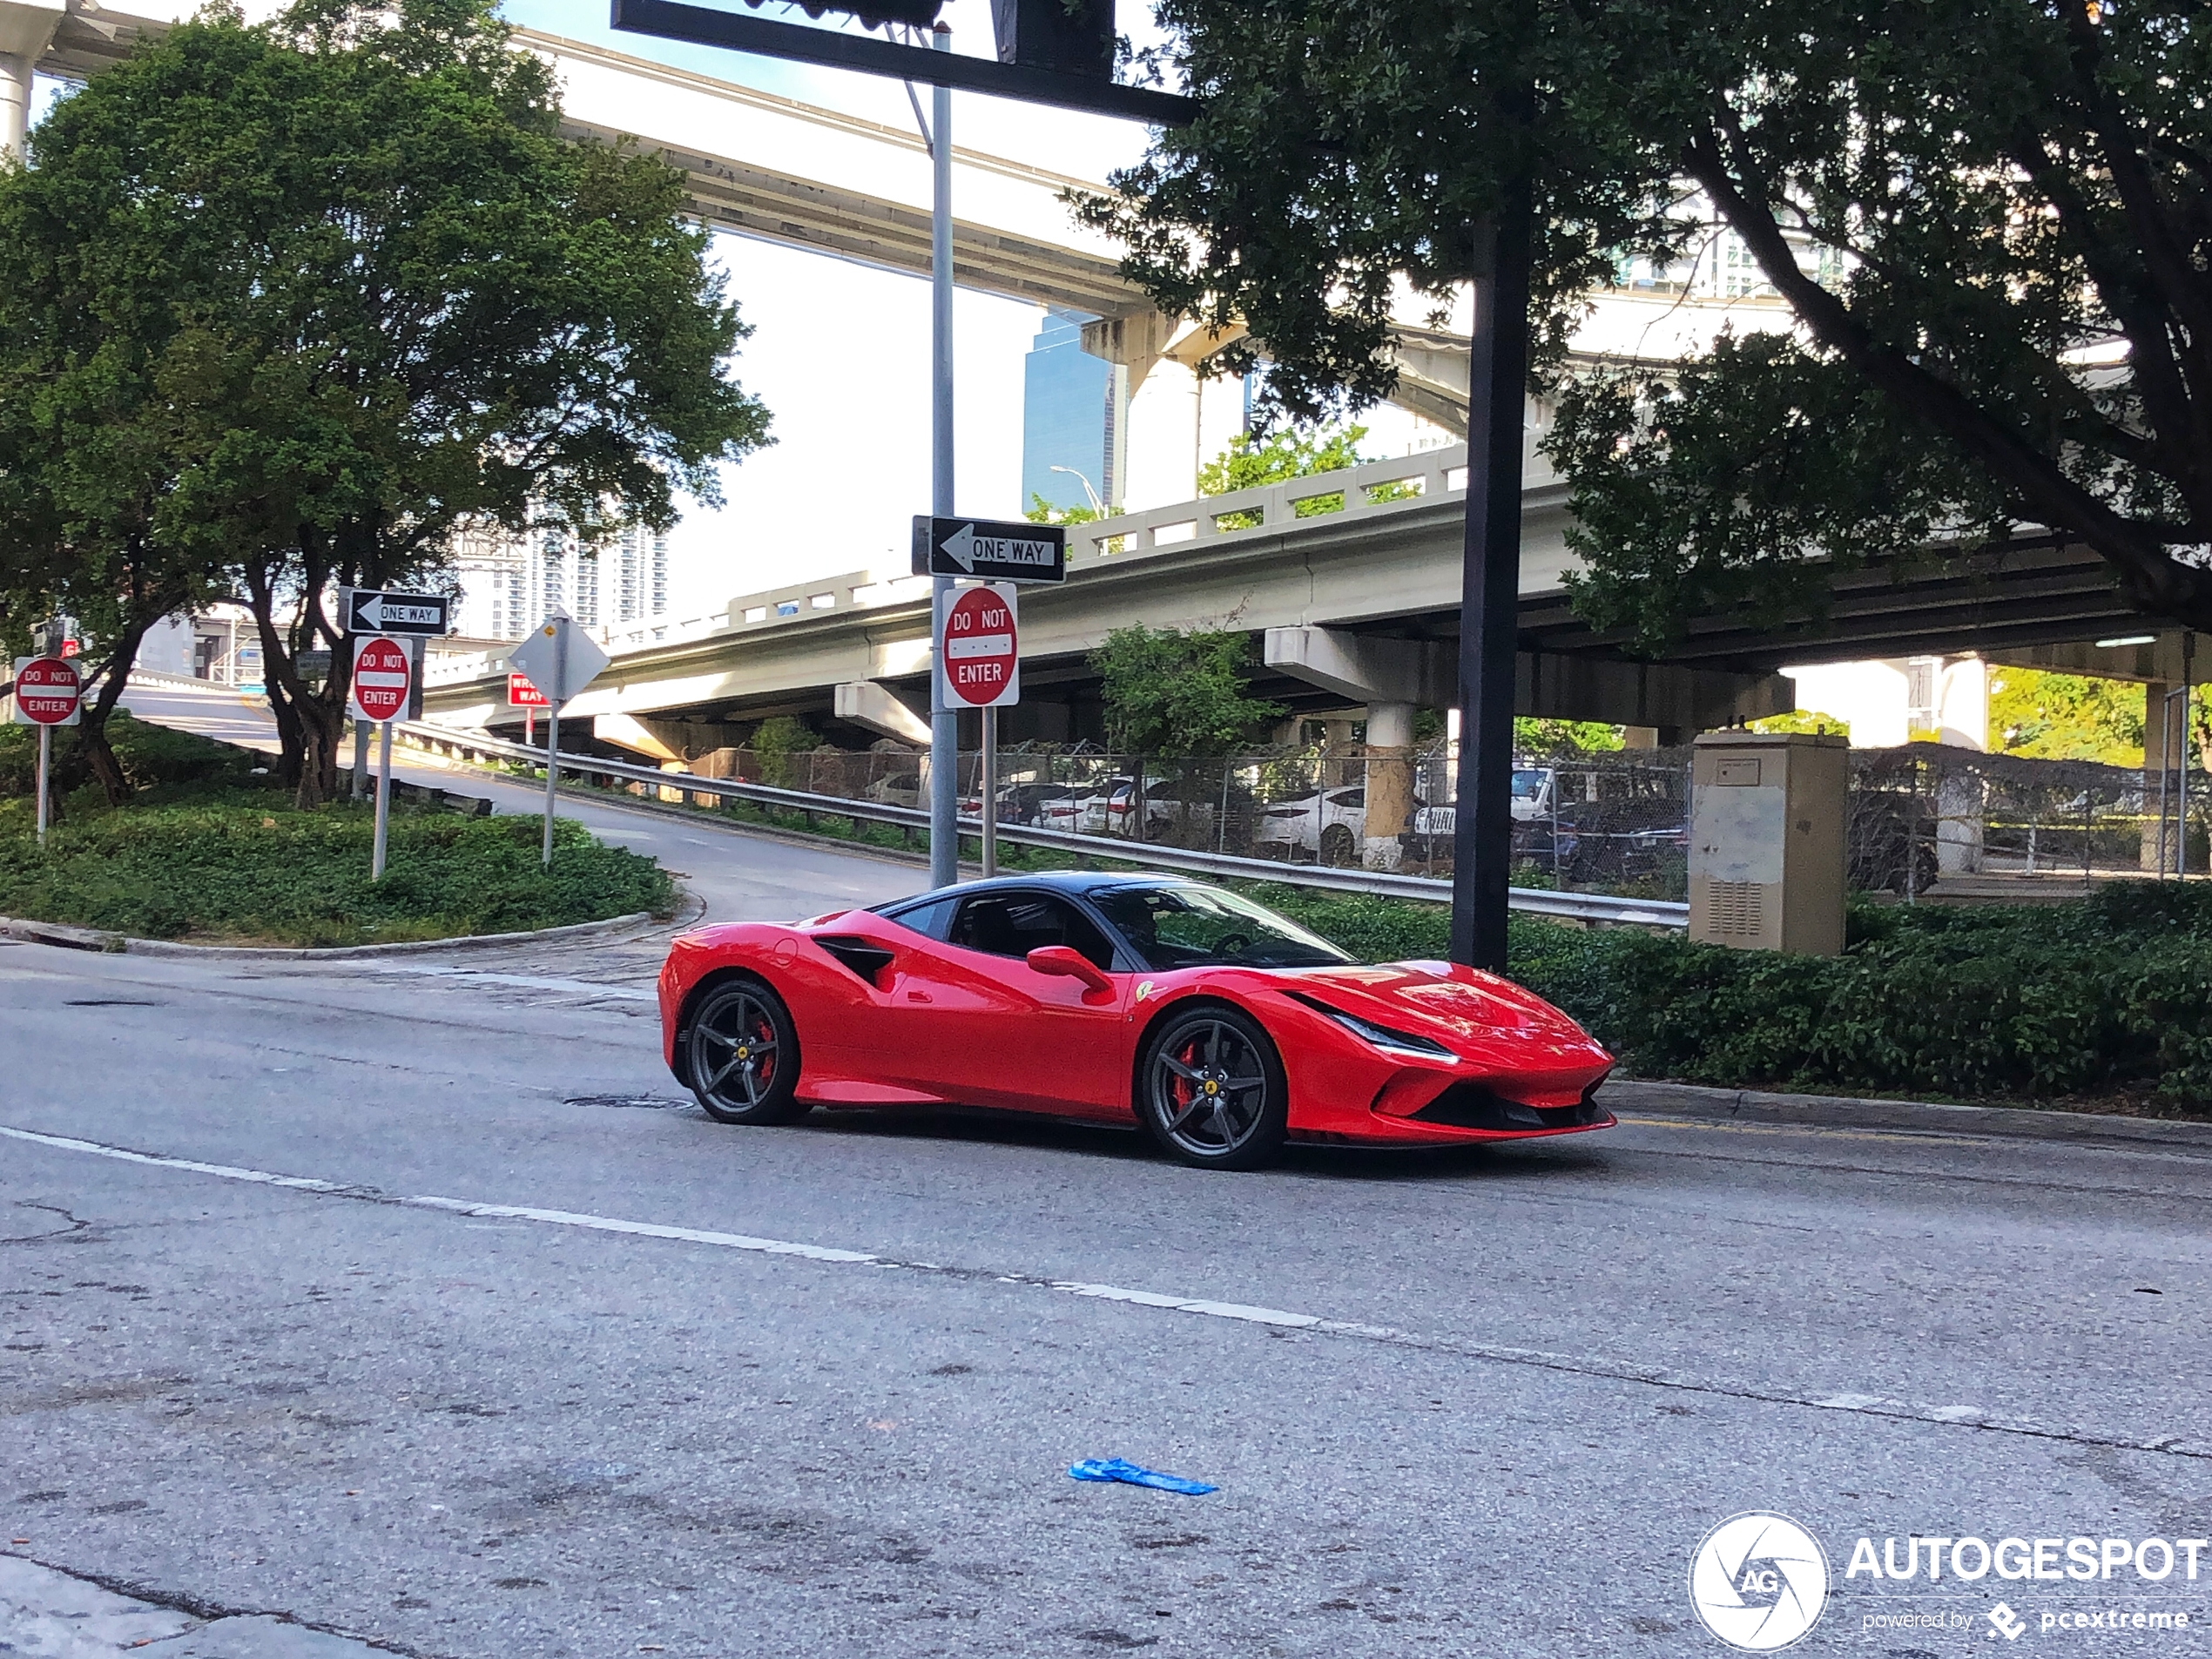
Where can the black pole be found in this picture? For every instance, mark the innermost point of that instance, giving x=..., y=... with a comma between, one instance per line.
x=1490, y=595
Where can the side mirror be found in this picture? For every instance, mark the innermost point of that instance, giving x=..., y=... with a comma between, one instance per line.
x=1065, y=961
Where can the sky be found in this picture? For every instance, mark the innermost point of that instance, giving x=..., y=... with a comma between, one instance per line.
x=841, y=351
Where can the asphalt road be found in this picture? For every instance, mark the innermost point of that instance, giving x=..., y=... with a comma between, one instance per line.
x=527, y=1357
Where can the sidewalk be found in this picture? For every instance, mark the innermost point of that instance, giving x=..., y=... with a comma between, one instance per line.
x=1626, y=1096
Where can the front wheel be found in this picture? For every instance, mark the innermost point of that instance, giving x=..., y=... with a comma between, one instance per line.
x=1211, y=1090
x=743, y=1056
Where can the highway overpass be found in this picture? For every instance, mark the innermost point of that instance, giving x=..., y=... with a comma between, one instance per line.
x=1355, y=609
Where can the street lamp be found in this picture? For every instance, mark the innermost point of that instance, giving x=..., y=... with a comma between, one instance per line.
x=1096, y=505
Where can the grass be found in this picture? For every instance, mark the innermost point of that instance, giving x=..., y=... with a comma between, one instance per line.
x=210, y=852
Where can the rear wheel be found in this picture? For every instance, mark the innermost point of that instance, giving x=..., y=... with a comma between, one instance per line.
x=1338, y=844
x=743, y=1056
x=1212, y=1091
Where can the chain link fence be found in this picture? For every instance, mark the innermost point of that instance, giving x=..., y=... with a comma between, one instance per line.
x=1614, y=823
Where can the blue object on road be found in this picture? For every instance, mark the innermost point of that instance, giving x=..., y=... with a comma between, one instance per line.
x=1114, y=1468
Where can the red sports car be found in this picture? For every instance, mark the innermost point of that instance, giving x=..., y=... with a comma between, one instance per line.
x=1225, y=1029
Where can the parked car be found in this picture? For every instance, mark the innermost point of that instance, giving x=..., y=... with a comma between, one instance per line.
x=1534, y=788
x=899, y=789
x=1327, y=826
x=1028, y=805
x=1165, y=810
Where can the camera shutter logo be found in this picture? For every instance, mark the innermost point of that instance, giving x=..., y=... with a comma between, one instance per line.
x=1758, y=1582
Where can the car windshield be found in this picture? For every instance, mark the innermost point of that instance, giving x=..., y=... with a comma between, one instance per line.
x=1187, y=926
x=1528, y=784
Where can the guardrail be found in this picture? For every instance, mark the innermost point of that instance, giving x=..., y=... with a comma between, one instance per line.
x=1591, y=909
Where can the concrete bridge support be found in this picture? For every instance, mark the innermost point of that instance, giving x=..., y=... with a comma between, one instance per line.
x=1395, y=676
x=869, y=703
x=26, y=26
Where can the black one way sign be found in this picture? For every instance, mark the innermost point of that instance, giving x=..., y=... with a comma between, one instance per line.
x=366, y=610
x=990, y=551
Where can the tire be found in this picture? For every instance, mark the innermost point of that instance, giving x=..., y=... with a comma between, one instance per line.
x=1339, y=846
x=742, y=1054
x=1211, y=1092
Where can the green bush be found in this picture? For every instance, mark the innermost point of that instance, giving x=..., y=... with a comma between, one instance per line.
x=207, y=850
x=239, y=866
x=2107, y=997
x=150, y=756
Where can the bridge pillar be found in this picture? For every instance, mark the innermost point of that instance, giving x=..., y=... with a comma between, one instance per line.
x=1393, y=677
x=26, y=26
x=1390, y=782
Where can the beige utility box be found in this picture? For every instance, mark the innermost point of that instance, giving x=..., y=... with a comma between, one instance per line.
x=1766, y=840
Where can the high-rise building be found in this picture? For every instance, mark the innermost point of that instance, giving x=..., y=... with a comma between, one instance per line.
x=1074, y=415
x=510, y=582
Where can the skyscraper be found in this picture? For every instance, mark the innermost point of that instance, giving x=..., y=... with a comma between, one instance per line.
x=1074, y=414
x=509, y=582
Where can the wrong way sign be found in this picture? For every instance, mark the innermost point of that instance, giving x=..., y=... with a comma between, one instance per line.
x=382, y=674
x=980, y=651
x=48, y=691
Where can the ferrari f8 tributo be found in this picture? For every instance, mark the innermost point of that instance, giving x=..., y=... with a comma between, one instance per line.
x=1222, y=1028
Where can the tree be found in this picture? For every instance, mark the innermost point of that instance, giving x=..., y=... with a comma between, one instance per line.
x=394, y=303
x=1253, y=459
x=1041, y=511
x=1171, y=693
x=1564, y=737
x=2068, y=716
x=1991, y=220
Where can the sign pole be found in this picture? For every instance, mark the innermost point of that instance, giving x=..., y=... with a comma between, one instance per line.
x=529, y=727
x=552, y=775
x=990, y=791
x=45, y=755
x=944, y=716
x=383, y=798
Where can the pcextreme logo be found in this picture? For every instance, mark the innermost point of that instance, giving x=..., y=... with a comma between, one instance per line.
x=1759, y=1580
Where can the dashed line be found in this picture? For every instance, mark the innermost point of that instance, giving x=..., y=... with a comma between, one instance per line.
x=1949, y=1416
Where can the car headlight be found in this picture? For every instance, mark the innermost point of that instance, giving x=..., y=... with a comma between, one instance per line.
x=1382, y=1036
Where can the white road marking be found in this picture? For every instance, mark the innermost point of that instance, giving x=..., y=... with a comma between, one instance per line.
x=1949, y=1416
x=528, y=981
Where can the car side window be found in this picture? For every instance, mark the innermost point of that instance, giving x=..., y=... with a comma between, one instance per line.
x=932, y=919
x=1013, y=924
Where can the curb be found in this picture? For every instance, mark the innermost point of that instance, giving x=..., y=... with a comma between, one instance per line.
x=54, y=933
x=1926, y=1117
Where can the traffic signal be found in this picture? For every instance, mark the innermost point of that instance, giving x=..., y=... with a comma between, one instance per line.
x=918, y=14
x=1067, y=36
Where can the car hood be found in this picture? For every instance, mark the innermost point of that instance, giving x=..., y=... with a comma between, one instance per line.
x=1441, y=1000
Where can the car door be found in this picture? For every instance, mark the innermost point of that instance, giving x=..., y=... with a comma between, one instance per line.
x=987, y=1028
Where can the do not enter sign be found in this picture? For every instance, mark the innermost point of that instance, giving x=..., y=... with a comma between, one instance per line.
x=981, y=650
x=382, y=672
x=47, y=692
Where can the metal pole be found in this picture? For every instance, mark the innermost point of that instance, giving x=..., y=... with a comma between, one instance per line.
x=1490, y=591
x=2181, y=811
x=990, y=791
x=944, y=719
x=2164, y=773
x=552, y=774
x=383, y=798
x=45, y=758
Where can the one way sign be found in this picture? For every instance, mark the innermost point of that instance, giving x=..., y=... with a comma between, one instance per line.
x=366, y=610
x=990, y=551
